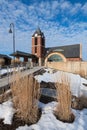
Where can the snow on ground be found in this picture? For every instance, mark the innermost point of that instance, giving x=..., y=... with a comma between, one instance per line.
x=49, y=122
x=76, y=82
x=6, y=112
x=9, y=70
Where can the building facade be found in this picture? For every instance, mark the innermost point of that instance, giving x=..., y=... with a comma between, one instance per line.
x=56, y=54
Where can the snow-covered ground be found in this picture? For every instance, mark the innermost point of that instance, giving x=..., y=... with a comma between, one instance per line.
x=9, y=70
x=76, y=82
x=6, y=112
x=48, y=121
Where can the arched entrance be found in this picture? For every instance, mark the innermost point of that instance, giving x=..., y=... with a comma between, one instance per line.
x=55, y=57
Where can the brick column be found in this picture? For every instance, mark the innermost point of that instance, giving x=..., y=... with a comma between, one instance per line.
x=25, y=59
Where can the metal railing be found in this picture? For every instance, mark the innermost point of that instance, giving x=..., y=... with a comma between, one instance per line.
x=8, y=69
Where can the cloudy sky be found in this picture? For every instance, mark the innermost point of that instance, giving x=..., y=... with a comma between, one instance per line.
x=63, y=23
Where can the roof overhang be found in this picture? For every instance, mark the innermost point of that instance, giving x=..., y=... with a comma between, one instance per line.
x=5, y=56
x=23, y=54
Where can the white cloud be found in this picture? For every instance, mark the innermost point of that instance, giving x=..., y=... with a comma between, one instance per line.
x=76, y=8
x=55, y=5
x=65, y=5
x=84, y=8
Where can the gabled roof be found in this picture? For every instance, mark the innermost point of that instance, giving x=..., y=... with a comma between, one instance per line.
x=4, y=56
x=23, y=54
x=69, y=51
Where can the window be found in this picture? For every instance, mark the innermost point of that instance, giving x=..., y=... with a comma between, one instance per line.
x=55, y=58
x=35, y=40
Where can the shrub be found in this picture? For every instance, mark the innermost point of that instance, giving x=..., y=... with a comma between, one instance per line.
x=63, y=109
x=26, y=92
x=2, y=61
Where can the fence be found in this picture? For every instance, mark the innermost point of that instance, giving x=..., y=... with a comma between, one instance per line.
x=77, y=67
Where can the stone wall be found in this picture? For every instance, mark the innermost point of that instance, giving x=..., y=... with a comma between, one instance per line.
x=77, y=67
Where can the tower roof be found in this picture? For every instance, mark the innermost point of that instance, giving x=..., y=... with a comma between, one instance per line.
x=38, y=32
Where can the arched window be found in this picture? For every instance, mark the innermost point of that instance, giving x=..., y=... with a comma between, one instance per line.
x=55, y=58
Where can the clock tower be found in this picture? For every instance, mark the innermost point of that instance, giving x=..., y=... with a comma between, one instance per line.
x=38, y=46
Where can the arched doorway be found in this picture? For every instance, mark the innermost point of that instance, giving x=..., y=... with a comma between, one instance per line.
x=55, y=57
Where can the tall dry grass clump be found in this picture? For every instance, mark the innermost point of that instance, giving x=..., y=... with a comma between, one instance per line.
x=63, y=109
x=26, y=93
x=16, y=61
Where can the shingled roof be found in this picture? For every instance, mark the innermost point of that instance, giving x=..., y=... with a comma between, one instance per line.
x=69, y=51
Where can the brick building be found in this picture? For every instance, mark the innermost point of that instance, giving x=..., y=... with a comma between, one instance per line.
x=38, y=46
x=57, y=54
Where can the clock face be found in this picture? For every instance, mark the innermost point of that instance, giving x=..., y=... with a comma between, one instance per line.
x=36, y=35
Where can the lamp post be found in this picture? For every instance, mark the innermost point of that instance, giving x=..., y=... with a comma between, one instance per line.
x=12, y=30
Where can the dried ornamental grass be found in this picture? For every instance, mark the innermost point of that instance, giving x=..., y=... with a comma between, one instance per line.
x=26, y=93
x=16, y=61
x=63, y=109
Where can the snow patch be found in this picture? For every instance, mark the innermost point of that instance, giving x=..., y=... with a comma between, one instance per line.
x=6, y=112
x=49, y=122
x=76, y=82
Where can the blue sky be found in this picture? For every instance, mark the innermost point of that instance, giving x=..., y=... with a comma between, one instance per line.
x=63, y=23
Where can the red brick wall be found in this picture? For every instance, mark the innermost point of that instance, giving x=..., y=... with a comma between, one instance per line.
x=73, y=59
x=40, y=48
x=25, y=59
x=33, y=45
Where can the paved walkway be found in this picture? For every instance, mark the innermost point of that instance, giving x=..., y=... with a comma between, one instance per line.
x=5, y=81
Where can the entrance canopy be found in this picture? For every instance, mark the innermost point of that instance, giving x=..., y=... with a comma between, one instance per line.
x=23, y=54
